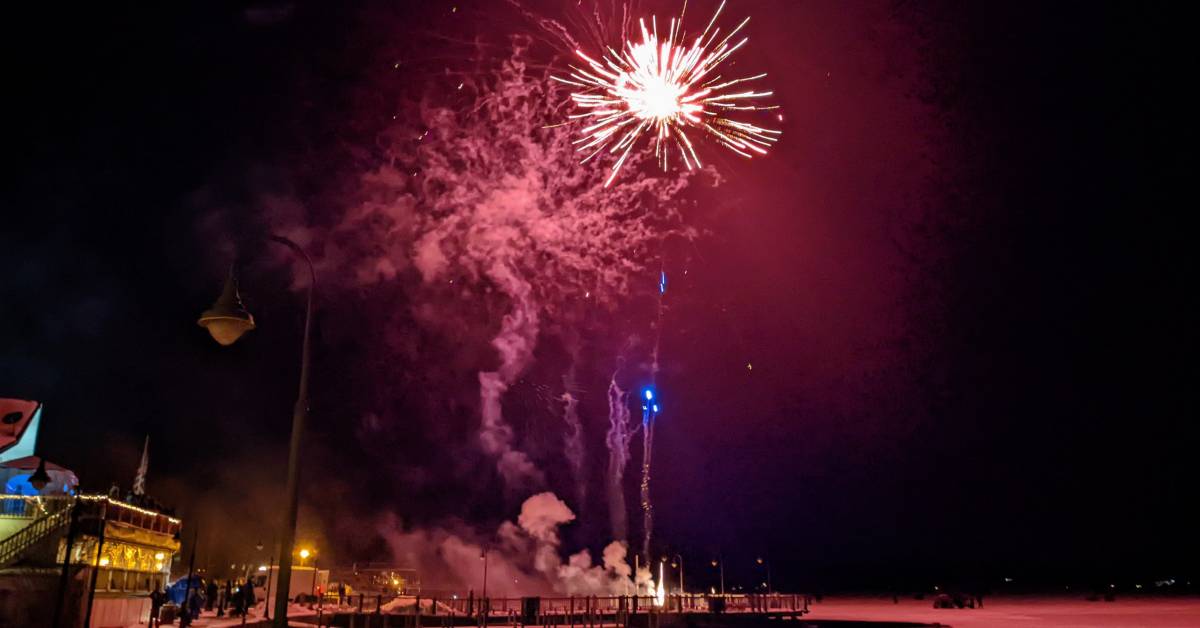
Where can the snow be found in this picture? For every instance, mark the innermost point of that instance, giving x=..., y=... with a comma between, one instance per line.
x=999, y=612
x=209, y=619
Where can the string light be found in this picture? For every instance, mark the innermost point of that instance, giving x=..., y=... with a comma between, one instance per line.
x=144, y=511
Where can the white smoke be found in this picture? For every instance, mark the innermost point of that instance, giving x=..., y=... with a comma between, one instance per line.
x=617, y=439
x=524, y=558
x=514, y=343
x=573, y=446
x=487, y=202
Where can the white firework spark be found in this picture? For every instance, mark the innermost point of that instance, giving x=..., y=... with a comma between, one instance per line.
x=663, y=89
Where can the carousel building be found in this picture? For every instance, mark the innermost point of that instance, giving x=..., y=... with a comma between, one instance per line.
x=66, y=556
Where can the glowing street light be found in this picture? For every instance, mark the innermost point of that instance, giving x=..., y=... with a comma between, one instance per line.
x=304, y=554
x=720, y=564
x=227, y=319
x=677, y=561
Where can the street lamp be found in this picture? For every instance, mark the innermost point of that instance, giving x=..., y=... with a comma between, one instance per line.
x=226, y=321
x=678, y=561
x=767, y=565
x=483, y=557
x=304, y=554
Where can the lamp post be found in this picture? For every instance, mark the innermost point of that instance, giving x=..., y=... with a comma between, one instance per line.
x=483, y=557
x=226, y=321
x=767, y=565
x=267, y=595
x=677, y=561
x=313, y=589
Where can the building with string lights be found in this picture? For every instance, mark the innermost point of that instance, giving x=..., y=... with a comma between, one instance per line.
x=66, y=555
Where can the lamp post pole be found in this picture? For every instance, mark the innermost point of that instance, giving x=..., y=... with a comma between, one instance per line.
x=484, y=557
x=766, y=565
x=299, y=416
x=679, y=560
x=720, y=564
x=267, y=595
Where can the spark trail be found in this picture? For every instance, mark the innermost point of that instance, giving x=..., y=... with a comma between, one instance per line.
x=617, y=439
x=665, y=89
x=650, y=410
x=573, y=447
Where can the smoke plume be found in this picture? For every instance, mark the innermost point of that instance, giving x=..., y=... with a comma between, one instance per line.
x=617, y=439
x=524, y=558
x=573, y=443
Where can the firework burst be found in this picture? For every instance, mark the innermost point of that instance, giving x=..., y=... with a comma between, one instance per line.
x=662, y=89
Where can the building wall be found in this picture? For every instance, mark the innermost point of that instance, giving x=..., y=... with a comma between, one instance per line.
x=118, y=612
x=28, y=598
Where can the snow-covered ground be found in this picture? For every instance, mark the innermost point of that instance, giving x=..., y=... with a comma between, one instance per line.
x=999, y=612
x=209, y=619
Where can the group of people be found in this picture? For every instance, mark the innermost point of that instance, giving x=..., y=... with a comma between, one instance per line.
x=236, y=598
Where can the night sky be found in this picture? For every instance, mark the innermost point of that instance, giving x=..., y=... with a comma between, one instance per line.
x=942, y=333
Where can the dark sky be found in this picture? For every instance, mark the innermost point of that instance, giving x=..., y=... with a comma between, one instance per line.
x=961, y=280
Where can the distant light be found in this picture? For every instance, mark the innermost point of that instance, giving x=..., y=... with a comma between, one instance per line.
x=649, y=394
x=262, y=567
x=655, y=408
x=103, y=561
x=159, y=556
